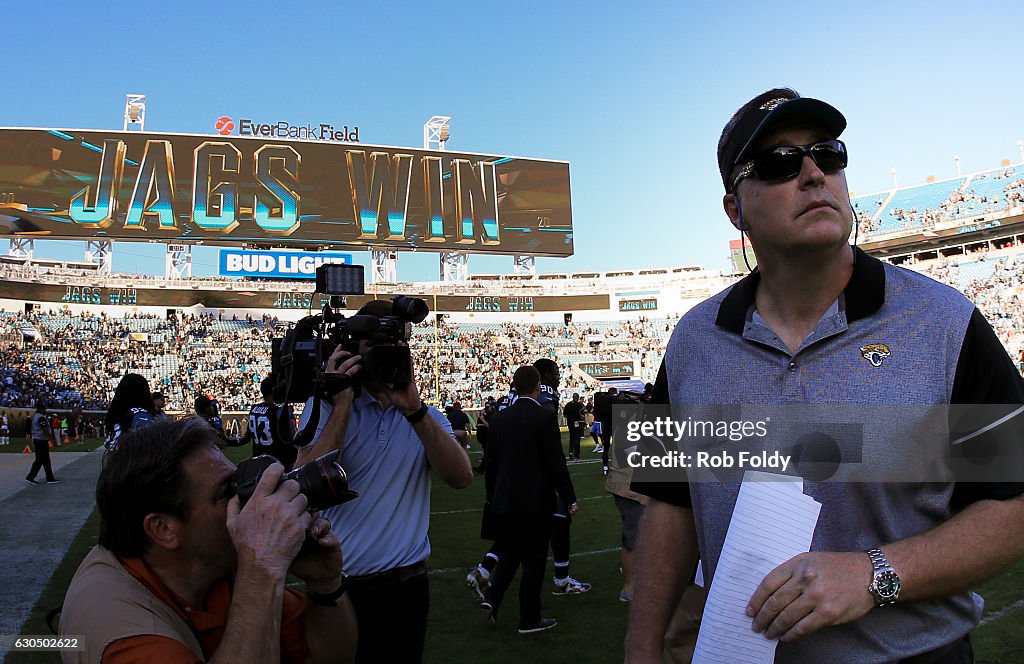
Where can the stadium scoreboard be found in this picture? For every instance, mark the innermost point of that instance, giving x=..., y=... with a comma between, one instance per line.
x=230, y=190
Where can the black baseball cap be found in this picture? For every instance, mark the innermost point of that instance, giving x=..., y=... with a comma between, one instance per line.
x=762, y=113
x=159, y=395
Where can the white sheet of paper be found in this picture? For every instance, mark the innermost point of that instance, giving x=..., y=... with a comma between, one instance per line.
x=772, y=522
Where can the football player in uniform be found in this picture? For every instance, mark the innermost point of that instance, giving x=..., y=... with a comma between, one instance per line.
x=272, y=427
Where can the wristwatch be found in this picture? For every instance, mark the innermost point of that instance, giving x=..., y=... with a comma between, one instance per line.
x=885, y=582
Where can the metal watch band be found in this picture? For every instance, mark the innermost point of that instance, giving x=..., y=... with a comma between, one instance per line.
x=878, y=559
x=882, y=569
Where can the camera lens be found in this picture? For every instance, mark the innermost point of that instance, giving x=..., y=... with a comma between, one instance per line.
x=323, y=481
x=412, y=309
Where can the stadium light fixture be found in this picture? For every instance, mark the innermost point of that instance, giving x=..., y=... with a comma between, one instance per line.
x=135, y=112
x=895, y=184
x=436, y=132
x=1020, y=146
x=956, y=158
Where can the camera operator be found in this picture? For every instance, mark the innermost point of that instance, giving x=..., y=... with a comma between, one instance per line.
x=184, y=573
x=389, y=440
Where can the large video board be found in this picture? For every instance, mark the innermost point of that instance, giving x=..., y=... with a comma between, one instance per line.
x=70, y=184
x=250, y=296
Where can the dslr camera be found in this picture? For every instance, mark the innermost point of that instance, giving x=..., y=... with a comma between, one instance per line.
x=322, y=481
x=300, y=357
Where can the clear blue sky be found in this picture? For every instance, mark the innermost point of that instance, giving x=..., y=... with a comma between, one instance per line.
x=632, y=95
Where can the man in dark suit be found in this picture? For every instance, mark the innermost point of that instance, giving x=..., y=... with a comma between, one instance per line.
x=525, y=468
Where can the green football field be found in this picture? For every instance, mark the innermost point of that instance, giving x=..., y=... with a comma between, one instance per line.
x=591, y=627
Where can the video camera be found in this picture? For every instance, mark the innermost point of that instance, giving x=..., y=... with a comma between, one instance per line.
x=626, y=394
x=299, y=359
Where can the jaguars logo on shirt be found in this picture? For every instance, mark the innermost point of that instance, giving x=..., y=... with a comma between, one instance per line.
x=875, y=353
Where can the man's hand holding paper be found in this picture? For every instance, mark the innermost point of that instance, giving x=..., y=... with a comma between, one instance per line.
x=811, y=591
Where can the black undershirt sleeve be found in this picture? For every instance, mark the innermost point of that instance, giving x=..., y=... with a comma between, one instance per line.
x=985, y=375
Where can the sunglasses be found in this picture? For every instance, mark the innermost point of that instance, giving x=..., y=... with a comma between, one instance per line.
x=785, y=161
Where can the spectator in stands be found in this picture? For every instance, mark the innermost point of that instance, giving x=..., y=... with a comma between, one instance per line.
x=789, y=330
x=184, y=573
x=389, y=441
x=131, y=407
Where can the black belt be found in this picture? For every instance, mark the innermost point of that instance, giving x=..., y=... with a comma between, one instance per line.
x=386, y=578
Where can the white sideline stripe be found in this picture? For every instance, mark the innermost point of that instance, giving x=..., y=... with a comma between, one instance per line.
x=1001, y=613
x=480, y=509
x=452, y=570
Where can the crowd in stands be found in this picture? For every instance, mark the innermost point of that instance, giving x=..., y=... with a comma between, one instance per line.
x=473, y=362
x=922, y=207
x=998, y=293
x=77, y=360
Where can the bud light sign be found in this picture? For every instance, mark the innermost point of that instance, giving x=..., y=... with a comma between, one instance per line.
x=277, y=264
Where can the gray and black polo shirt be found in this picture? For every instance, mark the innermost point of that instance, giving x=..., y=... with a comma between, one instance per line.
x=892, y=337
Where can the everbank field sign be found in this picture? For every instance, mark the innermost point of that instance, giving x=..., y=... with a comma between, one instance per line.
x=324, y=131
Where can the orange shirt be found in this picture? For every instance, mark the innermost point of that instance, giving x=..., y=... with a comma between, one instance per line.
x=207, y=623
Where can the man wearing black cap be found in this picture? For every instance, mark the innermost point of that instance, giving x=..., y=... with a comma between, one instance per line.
x=819, y=321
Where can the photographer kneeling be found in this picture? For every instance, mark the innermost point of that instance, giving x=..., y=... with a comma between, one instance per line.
x=389, y=440
x=184, y=573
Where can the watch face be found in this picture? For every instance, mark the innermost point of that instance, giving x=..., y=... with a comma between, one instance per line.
x=887, y=585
